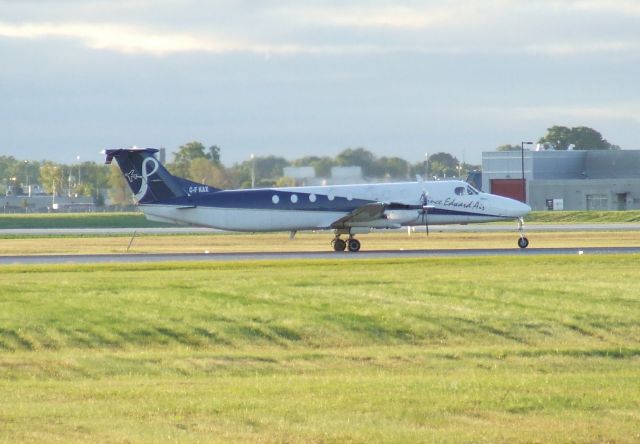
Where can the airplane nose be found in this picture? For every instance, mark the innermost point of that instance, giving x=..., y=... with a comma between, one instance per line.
x=520, y=209
x=514, y=208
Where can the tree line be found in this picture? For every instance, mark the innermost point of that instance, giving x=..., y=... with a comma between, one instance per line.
x=563, y=138
x=202, y=164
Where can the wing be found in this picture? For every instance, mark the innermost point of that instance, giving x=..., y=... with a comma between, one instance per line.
x=366, y=213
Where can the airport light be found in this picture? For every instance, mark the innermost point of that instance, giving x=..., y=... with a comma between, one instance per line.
x=524, y=188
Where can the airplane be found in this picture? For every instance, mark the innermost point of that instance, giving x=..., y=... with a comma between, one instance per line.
x=348, y=210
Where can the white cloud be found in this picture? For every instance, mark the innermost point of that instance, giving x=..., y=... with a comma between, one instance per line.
x=116, y=37
x=547, y=27
x=131, y=39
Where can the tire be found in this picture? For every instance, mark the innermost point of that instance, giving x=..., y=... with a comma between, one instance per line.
x=354, y=245
x=338, y=244
x=523, y=242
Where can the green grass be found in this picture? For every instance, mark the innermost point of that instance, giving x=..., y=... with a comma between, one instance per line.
x=76, y=220
x=543, y=349
x=137, y=220
x=584, y=216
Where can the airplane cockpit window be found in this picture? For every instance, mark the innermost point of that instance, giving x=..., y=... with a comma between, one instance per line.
x=471, y=190
x=459, y=191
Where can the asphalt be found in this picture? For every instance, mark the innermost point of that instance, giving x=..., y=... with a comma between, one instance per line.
x=474, y=228
x=302, y=255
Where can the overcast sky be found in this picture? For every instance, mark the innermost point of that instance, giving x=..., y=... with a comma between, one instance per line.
x=295, y=78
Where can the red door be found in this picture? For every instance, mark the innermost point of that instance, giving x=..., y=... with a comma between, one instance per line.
x=512, y=188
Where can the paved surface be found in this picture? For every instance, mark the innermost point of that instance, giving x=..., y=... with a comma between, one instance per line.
x=322, y=255
x=474, y=228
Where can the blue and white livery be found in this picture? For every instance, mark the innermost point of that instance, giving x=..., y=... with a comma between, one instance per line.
x=346, y=209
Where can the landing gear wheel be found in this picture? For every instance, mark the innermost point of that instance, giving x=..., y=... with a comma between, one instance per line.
x=523, y=242
x=338, y=244
x=354, y=245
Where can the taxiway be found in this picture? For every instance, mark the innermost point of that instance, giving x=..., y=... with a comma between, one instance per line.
x=316, y=255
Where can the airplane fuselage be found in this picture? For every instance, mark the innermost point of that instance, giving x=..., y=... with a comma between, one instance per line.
x=346, y=209
x=318, y=207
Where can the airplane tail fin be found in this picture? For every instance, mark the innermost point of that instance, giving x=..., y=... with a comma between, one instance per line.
x=148, y=179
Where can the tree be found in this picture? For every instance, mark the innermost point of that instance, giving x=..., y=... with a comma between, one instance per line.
x=267, y=171
x=189, y=152
x=443, y=164
x=91, y=178
x=359, y=157
x=322, y=165
x=392, y=167
x=51, y=177
x=585, y=138
x=205, y=171
x=182, y=159
x=119, y=191
x=214, y=154
x=581, y=137
x=559, y=137
x=269, y=168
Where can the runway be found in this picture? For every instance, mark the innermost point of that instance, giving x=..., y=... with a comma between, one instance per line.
x=315, y=255
x=474, y=228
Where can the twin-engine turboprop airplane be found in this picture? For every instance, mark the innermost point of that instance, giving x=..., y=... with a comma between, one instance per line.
x=346, y=209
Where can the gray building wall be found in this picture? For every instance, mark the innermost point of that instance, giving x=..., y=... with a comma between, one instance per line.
x=587, y=194
x=584, y=180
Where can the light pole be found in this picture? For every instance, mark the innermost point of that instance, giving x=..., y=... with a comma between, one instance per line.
x=253, y=171
x=426, y=166
x=79, y=172
x=524, y=187
x=26, y=173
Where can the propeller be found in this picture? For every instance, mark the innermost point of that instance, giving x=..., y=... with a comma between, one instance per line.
x=424, y=201
x=424, y=212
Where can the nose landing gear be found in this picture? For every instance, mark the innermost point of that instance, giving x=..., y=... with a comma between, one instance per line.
x=523, y=242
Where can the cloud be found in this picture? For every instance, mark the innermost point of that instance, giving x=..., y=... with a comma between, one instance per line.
x=121, y=38
x=131, y=39
x=546, y=27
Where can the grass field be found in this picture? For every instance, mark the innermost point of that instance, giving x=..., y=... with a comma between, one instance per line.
x=543, y=349
x=305, y=241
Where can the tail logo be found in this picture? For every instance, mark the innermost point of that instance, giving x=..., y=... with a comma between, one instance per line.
x=144, y=185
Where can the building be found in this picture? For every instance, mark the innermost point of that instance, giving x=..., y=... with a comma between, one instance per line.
x=569, y=180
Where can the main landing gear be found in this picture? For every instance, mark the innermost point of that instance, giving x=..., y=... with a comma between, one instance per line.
x=352, y=244
x=523, y=242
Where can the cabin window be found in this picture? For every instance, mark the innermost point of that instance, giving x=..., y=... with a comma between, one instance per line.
x=275, y=199
x=312, y=197
x=294, y=198
x=459, y=191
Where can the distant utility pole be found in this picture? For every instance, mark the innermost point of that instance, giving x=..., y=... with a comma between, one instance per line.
x=253, y=171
